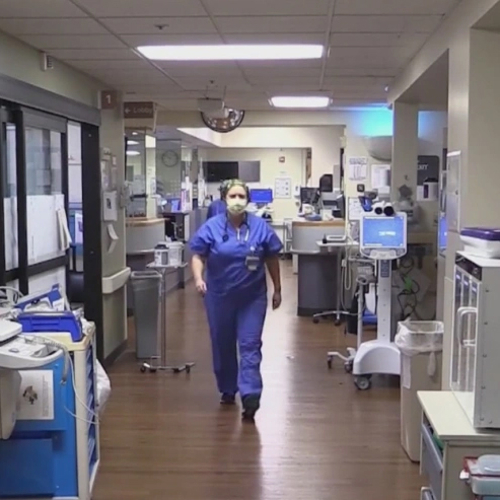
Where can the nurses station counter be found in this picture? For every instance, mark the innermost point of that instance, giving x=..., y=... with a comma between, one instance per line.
x=319, y=280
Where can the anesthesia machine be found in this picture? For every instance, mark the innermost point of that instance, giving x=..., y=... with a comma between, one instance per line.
x=49, y=428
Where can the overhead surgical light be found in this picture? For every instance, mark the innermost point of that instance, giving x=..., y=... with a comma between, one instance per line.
x=231, y=52
x=300, y=102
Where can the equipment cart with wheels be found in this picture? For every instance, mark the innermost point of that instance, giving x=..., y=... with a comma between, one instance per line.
x=60, y=447
x=159, y=362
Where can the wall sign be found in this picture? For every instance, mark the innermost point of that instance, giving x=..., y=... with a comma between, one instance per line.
x=109, y=99
x=139, y=110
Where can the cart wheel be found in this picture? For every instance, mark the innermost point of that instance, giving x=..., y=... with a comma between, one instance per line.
x=362, y=383
x=330, y=363
x=152, y=370
x=337, y=322
x=348, y=367
x=315, y=321
x=188, y=369
x=143, y=369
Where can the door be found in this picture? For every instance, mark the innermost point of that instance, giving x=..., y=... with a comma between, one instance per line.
x=33, y=160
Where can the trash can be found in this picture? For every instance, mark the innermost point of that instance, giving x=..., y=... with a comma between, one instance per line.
x=421, y=346
x=146, y=291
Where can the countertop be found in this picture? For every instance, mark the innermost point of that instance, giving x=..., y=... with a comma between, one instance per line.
x=142, y=222
x=319, y=223
x=449, y=421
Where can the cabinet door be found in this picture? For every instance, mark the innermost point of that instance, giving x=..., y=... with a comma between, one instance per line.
x=456, y=351
x=470, y=339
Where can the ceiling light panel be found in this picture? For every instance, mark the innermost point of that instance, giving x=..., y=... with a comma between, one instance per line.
x=150, y=8
x=39, y=9
x=394, y=7
x=231, y=52
x=267, y=8
x=296, y=102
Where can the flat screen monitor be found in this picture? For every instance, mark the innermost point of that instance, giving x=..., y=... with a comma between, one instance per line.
x=309, y=195
x=384, y=233
x=261, y=196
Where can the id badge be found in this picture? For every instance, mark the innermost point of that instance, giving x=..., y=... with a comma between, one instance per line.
x=252, y=262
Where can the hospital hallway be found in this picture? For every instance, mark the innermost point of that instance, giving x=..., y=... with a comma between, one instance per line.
x=165, y=436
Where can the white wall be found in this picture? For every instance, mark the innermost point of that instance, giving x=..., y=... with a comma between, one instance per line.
x=22, y=62
x=323, y=141
x=75, y=162
x=270, y=168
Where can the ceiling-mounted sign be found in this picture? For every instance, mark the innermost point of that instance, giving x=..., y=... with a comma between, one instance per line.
x=139, y=110
x=109, y=99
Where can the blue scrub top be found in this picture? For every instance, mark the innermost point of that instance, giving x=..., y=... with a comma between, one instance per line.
x=225, y=252
x=215, y=208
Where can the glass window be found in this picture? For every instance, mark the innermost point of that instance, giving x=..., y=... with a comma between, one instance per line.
x=44, y=193
x=10, y=196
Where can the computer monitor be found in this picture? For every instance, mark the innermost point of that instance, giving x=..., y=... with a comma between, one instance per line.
x=383, y=237
x=309, y=195
x=261, y=196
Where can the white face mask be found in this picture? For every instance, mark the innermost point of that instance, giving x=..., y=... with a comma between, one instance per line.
x=236, y=206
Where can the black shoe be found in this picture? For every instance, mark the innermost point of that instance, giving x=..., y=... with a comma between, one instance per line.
x=251, y=404
x=228, y=399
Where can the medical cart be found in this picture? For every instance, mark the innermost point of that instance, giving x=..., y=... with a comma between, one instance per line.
x=448, y=438
x=58, y=451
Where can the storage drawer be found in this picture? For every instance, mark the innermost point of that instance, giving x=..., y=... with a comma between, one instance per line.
x=432, y=462
x=426, y=494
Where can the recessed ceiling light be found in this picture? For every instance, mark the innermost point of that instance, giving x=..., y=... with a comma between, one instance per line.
x=387, y=88
x=135, y=133
x=230, y=52
x=300, y=102
x=132, y=143
x=133, y=153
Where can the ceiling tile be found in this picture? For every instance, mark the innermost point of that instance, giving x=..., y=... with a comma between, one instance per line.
x=154, y=39
x=133, y=8
x=385, y=24
x=355, y=70
x=268, y=8
x=99, y=64
x=148, y=25
x=393, y=7
x=376, y=40
x=309, y=64
x=209, y=69
x=95, y=54
x=286, y=38
x=47, y=42
x=270, y=24
x=39, y=9
x=76, y=26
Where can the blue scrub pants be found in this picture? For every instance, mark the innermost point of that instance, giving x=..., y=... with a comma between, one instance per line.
x=236, y=324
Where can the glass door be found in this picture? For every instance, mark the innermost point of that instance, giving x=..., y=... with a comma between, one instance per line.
x=46, y=208
x=8, y=187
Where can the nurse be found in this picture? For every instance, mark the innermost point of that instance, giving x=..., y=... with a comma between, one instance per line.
x=235, y=248
x=218, y=206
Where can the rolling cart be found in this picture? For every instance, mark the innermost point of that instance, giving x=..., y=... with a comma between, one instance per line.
x=159, y=362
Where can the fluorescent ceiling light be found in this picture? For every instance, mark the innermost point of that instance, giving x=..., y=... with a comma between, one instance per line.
x=132, y=143
x=300, y=102
x=133, y=153
x=230, y=52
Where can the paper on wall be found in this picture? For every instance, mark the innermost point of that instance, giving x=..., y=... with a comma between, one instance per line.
x=355, y=209
x=381, y=178
x=357, y=168
x=283, y=187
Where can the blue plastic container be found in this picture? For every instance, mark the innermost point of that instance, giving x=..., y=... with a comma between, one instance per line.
x=42, y=322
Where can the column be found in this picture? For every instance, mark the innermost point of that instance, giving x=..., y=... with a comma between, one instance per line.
x=404, y=149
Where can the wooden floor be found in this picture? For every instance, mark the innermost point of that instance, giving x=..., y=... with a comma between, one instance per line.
x=316, y=437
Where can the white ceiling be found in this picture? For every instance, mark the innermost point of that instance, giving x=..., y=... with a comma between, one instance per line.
x=370, y=42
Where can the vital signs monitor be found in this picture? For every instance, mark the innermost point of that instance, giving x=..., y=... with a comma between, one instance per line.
x=383, y=237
